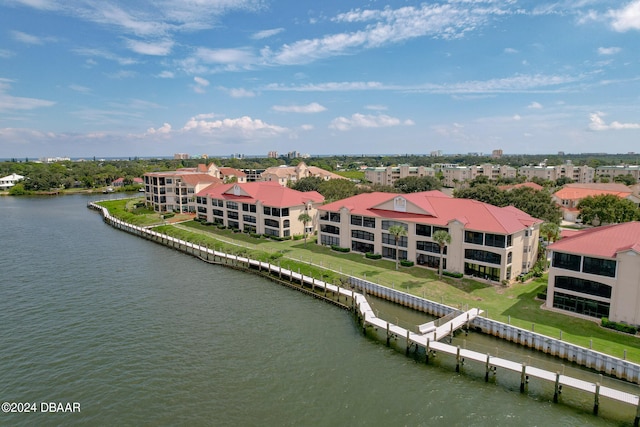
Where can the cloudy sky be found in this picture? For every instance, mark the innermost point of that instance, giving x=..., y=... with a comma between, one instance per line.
x=83, y=78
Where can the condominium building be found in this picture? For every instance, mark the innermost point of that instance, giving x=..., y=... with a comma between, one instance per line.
x=169, y=191
x=285, y=174
x=456, y=175
x=580, y=174
x=596, y=273
x=570, y=195
x=259, y=207
x=390, y=174
x=486, y=241
x=614, y=171
x=10, y=180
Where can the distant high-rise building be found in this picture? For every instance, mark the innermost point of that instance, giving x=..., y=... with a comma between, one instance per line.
x=436, y=153
x=181, y=156
x=496, y=154
x=272, y=155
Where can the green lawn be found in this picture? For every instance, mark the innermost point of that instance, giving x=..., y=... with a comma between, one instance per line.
x=516, y=303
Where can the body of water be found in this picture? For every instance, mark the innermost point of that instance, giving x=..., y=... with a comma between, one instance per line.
x=139, y=334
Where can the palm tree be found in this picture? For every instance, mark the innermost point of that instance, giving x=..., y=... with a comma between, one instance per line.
x=550, y=230
x=304, y=218
x=441, y=237
x=397, y=231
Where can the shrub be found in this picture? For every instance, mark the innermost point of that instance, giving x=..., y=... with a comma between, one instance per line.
x=256, y=235
x=298, y=237
x=406, y=263
x=622, y=327
x=371, y=255
x=339, y=248
x=168, y=215
x=452, y=274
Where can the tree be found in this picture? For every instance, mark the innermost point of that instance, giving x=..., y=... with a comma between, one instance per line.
x=304, y=218
x=563, y=180
x=397, y=231
x=441, y=237
x=550, y=230
x=607, y=209
x=627, y=179
x=311, y=183
x=415, y=184
x=337, y=189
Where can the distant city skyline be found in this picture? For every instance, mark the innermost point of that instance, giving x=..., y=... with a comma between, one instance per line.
x=129, y=78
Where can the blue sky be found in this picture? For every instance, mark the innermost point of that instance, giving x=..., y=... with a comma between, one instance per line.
x=83, y=78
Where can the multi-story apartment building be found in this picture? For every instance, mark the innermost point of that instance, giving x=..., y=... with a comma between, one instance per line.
x=259, y=207
x=486, y=241
x=390, y=174
x=580, y=174
x=596, y=273
x=10, y=180
x=614, y=171
x=285, y=174
x=169, y=191
x=457, y=175
x=570, y=195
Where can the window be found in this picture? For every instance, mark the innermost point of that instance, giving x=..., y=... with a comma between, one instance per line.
x=217, y=212
x=391, y=253
x=271, y=232
x=583, y=286
x=369, y=222
x=246, y=207
x=285, y=223
x=362, y=247
x=249, y=218
x=423, y=230
x=445, y=229
x=232, y=215
x=601, y=267
x=509, y=258
x=330, y=216
x=284, y=212
x=363, y=235
x=356, y=220
x=386, y=224
x=233, y=224
x=482, y=256
x=331, y=229
x=329, y=240
x=275, y=211
x=566, y=261
x=169, y=181
x=266, y=210
x=271, y=222
x=232, y=205
x=495, y=240
x=431, y=261
x=509, y=244
x=483, y=271
x=581, y=305
x=430, y=247
x=473, y=237
x=217, y=202
x=390, y=239
x=247, y=228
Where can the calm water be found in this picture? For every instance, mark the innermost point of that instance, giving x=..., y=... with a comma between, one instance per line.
x=141, y=335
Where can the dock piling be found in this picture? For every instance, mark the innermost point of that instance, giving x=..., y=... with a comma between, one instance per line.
x=556, y=392
x=523, y=377
x=487, y=369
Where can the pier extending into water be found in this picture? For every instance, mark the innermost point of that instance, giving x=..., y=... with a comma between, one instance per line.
x=427, y=336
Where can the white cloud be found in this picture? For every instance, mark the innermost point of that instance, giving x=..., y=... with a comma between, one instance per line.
x=314, y=107
x=608, y=50
x=327, y=87
x=10, y=103
x=307, y=127
x=100, y=53
x=367, y=121
x=224, y=56
x=598, y=124
x=626, y=18
x=79, y=88
x=160, y=48
x=163, y=130
x=376, y=107
x=200, y=85
x=517, y=117
x=242, y=127
x=266, y=33
x=26, y=38
x=535, y=106
x=4, y=53
x=166, y=75
x=510, y=50
x=239, y=92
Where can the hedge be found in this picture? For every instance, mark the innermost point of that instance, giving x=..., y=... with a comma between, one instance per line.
x=339, y=248
x=622, y=327
x=371, y=255
x=452, y=274
x=406, y=263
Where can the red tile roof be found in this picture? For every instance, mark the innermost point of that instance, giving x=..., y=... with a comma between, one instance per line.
x=580, y=191
x=439, y=209
x=605, y=241
x=199, y=178
x=232, y=171
x=268, y=193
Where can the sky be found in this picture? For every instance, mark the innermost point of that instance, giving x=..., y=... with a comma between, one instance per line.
x=123, y=78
